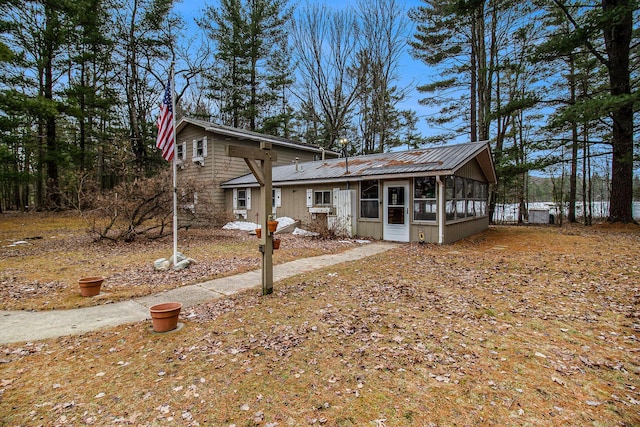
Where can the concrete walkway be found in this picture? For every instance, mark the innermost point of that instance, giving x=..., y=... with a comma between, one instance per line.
x=17, y=326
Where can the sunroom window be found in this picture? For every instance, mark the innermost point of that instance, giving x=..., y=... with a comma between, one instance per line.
x=424, y=199
x=466, y=198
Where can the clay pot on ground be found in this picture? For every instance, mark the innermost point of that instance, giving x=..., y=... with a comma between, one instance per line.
x=273, y=225
x=90, y=286
x=258, y=232
x=164, y=317
x=276, y=243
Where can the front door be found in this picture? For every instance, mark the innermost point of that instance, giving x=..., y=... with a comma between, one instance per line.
x=396, y=211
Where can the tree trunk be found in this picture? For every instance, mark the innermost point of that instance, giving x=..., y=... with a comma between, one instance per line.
x=52, y=184
x=571, y=215
x=617, y=37
x=137, y=143
x=483, y=84
x=474, y=83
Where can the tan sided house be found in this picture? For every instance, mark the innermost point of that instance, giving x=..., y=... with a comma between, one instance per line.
x=437, y=194
x=200, y=156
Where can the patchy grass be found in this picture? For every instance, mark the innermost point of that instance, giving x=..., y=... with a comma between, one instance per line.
x=516, y=326
x=42, y=272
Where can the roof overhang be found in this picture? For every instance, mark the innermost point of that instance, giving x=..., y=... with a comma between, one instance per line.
x=343, y=179
x=240, y=134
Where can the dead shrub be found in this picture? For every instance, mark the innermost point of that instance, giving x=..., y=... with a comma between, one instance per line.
x=320, y=225
x=220, y=217
x=142, y=207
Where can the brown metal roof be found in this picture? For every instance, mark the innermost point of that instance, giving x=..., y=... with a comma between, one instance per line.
x=440, y=160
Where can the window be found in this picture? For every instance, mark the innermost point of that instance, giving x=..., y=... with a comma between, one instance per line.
x=181, y=151
x=369, y=199
x=200, y=148
x=450, y=207
x=424, y=199
x=466, y=198
x=241, y=199
x=322, y=198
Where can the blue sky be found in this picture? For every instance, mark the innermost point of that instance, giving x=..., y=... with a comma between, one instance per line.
x=411, y=72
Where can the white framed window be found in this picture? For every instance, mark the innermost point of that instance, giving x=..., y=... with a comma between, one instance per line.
x=369, y=199
x=199, y=149
x=241, y=199
x=181, y=151
x=465, y=198
x=322, y=198
x=424, y=198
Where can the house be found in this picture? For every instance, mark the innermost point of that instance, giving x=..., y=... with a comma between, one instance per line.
x=200, y=157
x=437, y=194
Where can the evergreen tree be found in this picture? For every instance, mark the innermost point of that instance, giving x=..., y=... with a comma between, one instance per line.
x=142, y=29
x=246, y=33
x=37, y=34
x=279, y=113
x=606, y=33
x=90, y=94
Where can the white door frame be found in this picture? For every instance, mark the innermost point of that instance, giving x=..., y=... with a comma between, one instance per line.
x=395, y=209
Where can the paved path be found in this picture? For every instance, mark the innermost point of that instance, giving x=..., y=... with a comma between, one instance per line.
x=17, y=326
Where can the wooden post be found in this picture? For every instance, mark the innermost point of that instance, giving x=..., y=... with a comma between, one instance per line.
x=267, y=255
x=263, y=174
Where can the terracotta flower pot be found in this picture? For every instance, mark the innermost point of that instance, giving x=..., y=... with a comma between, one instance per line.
x=258, y=232
x=164, y=317
x=276, y=243
x=90, y=286
x=273, y=226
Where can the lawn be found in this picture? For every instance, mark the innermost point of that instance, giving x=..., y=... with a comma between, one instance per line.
x=519, y=326
x=42, y=256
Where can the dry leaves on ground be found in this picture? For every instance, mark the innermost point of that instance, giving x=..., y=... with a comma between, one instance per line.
x=516, y=326
x=42, y=272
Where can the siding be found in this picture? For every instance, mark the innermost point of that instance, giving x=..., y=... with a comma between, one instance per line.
x=472, y=170
x=370, y=228
x=218, y=167
x=460, y=230
x=430, y=232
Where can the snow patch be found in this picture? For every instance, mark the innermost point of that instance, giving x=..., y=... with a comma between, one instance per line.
x=250, y=226
x=301, y=232
x=240, y=225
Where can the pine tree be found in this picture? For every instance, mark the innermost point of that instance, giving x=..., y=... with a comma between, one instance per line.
x=609, y=26
x=246, y=33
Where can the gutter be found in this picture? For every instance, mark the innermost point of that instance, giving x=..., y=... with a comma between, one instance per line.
x=343, y=179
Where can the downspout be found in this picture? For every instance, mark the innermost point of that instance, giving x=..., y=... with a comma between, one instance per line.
x=441, y=210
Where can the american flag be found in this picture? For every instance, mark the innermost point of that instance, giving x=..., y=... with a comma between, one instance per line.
x=165, y=124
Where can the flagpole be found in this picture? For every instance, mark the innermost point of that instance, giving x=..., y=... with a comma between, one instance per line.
x=174, y=166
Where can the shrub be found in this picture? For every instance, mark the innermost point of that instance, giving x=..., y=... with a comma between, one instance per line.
x=142, y=207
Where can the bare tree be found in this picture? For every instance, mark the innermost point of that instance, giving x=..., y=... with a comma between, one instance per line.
x=385, y=24
x=326, y=45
